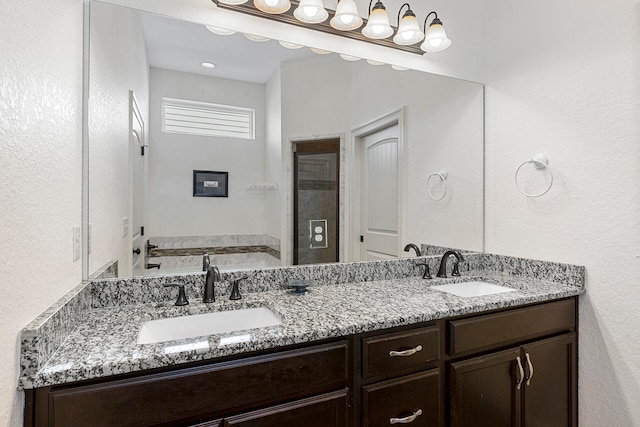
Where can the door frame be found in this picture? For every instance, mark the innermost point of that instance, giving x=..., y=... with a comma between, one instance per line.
x=286, y=195
x=352, y=242
x=312, y=147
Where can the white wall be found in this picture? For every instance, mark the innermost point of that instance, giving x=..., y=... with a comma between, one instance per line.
x=172, y=210
x=444, y=126
x=118, y=64
x=563, y=80
x=273, y=152
x=40, y=170
x=444, y=130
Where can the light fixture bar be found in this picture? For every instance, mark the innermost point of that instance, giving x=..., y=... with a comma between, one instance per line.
x=325, y=27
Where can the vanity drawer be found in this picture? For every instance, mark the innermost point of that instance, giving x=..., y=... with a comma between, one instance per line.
x=511, y=327
x=400, y=352
x=204, y=392
x=414, y=397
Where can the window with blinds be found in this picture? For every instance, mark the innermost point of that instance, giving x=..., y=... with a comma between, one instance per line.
x=201, y=118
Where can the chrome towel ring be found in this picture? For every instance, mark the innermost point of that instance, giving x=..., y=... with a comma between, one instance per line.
x=539, y=162
x=442, y=176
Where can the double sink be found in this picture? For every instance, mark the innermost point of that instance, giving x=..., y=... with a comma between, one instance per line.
x=221, y=322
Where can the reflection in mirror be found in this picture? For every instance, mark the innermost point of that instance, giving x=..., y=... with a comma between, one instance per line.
x=144, y=218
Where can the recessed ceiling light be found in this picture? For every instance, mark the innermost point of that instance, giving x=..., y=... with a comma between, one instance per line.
x=399, y=68
x=219, y=30
x=289, y=45
x=349, y=57
x=256, y=38
x=208, y=64
x=320, y=51
x=372, y=62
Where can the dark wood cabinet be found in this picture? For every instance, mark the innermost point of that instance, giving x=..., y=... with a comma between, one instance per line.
x=533, y=384
x=413, y=399
x=514, y=367
x=329, y=410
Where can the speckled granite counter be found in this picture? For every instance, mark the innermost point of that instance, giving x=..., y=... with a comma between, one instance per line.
x=102, y=340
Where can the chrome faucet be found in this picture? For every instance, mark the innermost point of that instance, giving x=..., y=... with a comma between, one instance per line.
x=206, y=262
x=414, y=247
x=442, y=271
x=213, y=274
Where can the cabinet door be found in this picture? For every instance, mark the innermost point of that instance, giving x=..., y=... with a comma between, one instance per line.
x=328, y=410
x=550, y=385
x=484, y=390
x=413, y=399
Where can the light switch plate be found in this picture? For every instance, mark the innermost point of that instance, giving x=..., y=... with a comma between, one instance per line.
x=125, y=226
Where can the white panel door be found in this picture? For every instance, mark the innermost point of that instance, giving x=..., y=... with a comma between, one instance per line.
x=379, y=210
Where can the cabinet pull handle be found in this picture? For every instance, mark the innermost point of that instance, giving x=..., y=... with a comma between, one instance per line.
x=530, y=369
x=521, y=372
x=405, y=353
x=406, y=420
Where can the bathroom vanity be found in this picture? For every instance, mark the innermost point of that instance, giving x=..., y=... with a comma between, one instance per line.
x=368, y=353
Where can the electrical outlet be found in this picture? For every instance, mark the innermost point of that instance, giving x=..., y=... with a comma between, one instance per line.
x=125, y=226
x=76, y=242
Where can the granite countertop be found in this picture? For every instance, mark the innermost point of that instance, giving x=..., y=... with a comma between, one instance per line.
x=104, y=342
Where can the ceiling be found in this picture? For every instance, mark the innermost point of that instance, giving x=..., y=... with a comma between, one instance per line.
x=178, y=45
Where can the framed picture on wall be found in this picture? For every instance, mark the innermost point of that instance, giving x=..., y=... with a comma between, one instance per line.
x=210, y=184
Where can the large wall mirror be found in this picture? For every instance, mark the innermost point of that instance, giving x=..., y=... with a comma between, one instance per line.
x=272, y=156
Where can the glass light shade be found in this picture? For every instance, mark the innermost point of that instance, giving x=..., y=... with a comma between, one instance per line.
x=346, y=17
x=378, y=24
x=409, y=31
x=311, y=11
x=233, y=1
x=272, y=6
x=256, y=38
x=349, y=57
x=219, y=30
x=208, y=64
x=374, y=62
x=399, y=67
x=290, y=45
x=320, y=51
x=436, y=38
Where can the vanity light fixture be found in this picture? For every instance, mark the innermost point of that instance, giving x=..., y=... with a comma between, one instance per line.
x=409, y=31
x=311, y=12
x=272, y=6
x=378, y=26
x=436, y=38
x=373, y=62
x=399, y=68
x=345, y=22
x=208, y=64
x=346, y=17
x=219, y=30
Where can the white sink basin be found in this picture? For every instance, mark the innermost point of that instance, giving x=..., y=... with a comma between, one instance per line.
x=472, y=289
x=197, y=325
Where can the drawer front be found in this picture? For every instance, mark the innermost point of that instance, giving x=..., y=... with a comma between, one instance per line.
x=511, y=327
x=328, y=410
x=195, y=394
x=401, y=352
x=413, y=400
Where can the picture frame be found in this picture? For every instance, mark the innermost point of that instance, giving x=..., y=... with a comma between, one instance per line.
x=210, y=183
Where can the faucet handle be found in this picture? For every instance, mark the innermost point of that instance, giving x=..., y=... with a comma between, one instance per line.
x=235, y=289
x=427, y=272
x=182, y=297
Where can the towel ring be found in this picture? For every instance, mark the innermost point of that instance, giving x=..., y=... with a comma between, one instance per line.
x=442, y=175
x=539, y=162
